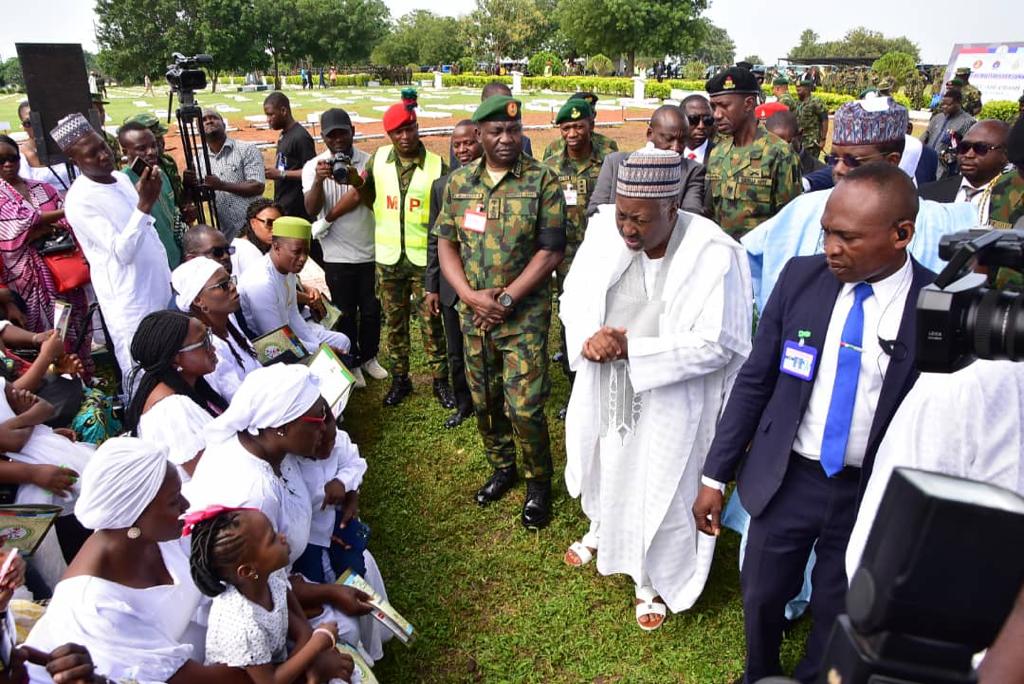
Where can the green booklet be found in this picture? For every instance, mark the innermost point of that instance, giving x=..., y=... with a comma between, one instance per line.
x=336, y=381
x=23, y=526
x=383, y=610
x=361, y=666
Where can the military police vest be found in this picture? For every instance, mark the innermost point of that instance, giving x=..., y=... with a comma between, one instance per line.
x=391, y=235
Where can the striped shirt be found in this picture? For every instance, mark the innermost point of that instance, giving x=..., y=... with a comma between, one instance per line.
x=236, y=162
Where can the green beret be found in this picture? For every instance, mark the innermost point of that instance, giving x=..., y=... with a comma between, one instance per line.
x=149, y=121
x=590, y=98
x=498, y=108
x=955, y=83
x=780, y=81
x=574, y=110
x=732, y=80
x=963, y=71
x=292, y=227
x=807, y=83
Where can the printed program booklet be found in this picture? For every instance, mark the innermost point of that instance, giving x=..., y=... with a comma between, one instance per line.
x=279, y=345
x=23, y=526
x=366, y=675
x=336, y=381
x=384, y=612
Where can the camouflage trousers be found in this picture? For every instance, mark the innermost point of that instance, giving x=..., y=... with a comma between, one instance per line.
x=512, y=373
x=396, y=284
x=560, y=272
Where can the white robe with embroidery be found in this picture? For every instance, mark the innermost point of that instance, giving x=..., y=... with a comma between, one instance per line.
x=642, y=495
x=967, y=424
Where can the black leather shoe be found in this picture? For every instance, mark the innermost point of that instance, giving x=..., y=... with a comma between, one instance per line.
x=401, y=387
x=458, y=418
x=537, y=507
x=443, y=393
x=497, y=486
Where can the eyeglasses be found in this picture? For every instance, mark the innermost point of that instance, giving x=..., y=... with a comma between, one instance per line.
x=697, y=119
x=849, y=160
x=9, y=158
x=230, y=282
x=269, y=223
x=313, y=419
x=980, y=148
x=205, y=343
x=220, y=252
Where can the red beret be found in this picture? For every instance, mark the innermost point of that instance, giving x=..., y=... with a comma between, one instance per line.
x=400, y=114
x=769, y=109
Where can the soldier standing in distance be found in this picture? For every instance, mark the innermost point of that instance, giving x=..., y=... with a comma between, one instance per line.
x=751, y=173
x=971, y=95
x=811, y=119
x=577, y=166
x=501, y=233
x=780, y=89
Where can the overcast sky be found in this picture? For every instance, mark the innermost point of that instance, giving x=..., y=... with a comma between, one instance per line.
x=768, y=29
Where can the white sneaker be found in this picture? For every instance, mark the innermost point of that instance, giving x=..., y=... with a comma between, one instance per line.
x=357, y=373
x=375, y=370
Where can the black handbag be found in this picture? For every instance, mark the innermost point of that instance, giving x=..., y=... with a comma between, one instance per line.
x=57, y=242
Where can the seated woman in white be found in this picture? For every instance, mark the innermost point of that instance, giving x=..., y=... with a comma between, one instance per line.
x=128, y=597
x=172, y=402
x=277, y=418
x=205, y=291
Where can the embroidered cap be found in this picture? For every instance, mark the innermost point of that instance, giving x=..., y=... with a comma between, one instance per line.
x=871, y=121
x=70, y=130
x=650, y=173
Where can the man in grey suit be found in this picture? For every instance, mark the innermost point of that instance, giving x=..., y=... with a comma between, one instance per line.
x=667, y=131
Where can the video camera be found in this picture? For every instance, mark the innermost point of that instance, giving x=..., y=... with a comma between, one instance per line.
x=964, y=315
x=186, y=74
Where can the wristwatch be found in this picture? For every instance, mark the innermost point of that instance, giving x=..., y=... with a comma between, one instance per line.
x=505, y=299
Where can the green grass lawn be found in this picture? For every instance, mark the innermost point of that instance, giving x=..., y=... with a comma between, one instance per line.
x=494, y=603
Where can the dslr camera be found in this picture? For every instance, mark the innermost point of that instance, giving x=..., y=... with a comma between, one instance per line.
x=340, y=164
x=966, y=315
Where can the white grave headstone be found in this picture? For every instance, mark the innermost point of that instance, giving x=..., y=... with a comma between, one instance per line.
x=638, y=88
x=438, y=80
x=517, y=82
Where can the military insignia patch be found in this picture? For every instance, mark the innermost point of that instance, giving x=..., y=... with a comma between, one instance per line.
x=575, y=114
x=512, y=108
x=728, y=84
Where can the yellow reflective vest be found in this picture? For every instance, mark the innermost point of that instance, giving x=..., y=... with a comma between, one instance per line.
x=391, y=235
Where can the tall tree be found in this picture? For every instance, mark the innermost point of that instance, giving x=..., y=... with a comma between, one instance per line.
x=858, y=42
x=715, y=45
x=753, y=59
x=421, y=37
x=135, y=40
x=624, y=27
x=509, y=28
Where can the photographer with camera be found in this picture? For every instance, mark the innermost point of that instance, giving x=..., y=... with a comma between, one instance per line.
x=346, y=237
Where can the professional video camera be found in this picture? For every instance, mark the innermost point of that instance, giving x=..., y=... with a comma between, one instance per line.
x=185, y=77
x=964, y=315
x=340, y=165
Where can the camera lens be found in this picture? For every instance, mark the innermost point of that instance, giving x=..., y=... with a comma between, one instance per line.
x=996, y=320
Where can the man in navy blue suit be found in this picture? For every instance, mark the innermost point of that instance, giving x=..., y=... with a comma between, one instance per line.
x=832, y=359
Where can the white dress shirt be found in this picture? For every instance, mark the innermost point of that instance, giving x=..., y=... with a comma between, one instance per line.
x=699, y=153
x=883, y=312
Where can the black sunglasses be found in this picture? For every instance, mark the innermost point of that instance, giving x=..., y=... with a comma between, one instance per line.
x=697, y=119
x=225, y=285
x=219, y=252
x=9, y=158
x=848, y=159
x=980, y=148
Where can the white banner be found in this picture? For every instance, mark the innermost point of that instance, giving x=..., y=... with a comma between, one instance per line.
x=997, y=69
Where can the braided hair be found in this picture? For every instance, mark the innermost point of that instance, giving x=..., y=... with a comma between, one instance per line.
x=217, y=546
x=156, y=342
x=254, y=208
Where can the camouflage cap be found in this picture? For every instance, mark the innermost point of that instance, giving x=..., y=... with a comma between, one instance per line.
x=780, y=81
x=574, y=110
x=498, y=108
x=734, y=80
x=150, y=121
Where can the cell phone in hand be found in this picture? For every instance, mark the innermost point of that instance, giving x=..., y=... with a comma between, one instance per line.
x=138, y=166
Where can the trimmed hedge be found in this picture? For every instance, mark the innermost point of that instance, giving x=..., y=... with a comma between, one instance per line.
x=1004, y=110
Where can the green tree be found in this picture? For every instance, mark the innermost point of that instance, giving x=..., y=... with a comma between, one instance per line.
x=858, y=42
x=600, y=65
x=423, y=38
x=694, y=70
x=715, y=46
x=10, y=74
x=625, y=27
x=898, y=66
x=541, y=60
x=753, y=59
x=508, y=28
x=135, y=40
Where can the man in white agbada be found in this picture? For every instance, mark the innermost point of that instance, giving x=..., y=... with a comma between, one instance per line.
x=862, y=131
x=113, y=223
x=967, y=424
x=657, y=315
x=268, y=288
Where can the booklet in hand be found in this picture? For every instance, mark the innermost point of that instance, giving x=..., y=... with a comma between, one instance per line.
x=383, y=611
x=281, y=345
x=23, y=526
x=336, y=381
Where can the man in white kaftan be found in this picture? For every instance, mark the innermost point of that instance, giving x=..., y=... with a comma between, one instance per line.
x=967, y=424
x=677, y=291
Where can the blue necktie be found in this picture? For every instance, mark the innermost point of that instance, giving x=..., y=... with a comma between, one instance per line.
x=844, y=390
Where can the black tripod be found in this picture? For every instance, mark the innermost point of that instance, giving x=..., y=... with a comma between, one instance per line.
x=193, y=142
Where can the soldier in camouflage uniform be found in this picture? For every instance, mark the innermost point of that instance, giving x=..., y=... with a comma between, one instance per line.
x=167, y=163
x=780, y=88
x=751, y=173
x=501, y=233
x=971, y=95
x=98, y=106
x=1006, y=205
x=811, y=118
x=602, y=143
x=399, y=177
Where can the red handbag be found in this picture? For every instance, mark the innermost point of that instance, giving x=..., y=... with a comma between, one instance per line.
x=70, y=270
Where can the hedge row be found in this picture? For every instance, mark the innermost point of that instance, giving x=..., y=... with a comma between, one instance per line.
x=1004, y=110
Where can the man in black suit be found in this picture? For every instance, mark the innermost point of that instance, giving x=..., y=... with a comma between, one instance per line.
x=832, y=359
x=440, y=295
x=701, y=136
x=981, y=156
x=667, y=130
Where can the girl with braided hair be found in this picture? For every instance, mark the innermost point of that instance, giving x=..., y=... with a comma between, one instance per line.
x=204, y=289
x=240, y=560
x=172, y=402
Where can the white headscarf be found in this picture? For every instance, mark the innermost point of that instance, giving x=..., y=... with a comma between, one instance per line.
x=119, y=482
x=267, y=398
x=190, y=278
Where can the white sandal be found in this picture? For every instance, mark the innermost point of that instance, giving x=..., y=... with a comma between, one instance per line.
x=583, y=553
x=649, y=607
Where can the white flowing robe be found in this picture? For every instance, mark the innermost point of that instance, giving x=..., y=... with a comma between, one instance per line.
x=967, y=424
x=683, y=376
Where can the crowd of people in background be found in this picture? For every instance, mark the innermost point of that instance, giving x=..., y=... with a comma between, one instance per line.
x=223, y=501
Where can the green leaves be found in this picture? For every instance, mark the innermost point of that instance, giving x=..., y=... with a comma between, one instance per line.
x=858, y=42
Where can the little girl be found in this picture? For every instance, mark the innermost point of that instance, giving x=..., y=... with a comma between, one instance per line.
x=239, y=560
